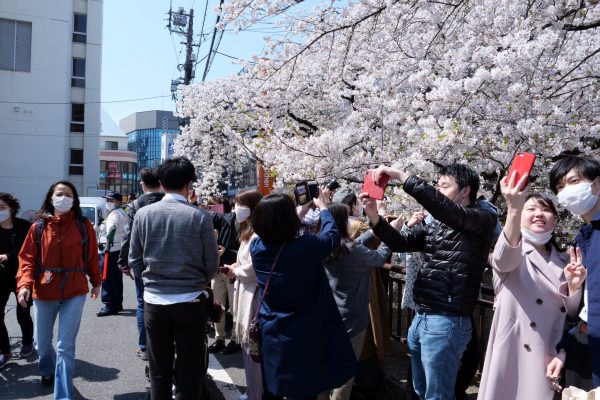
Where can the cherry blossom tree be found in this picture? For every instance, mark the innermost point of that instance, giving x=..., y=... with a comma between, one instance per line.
x=352, y=85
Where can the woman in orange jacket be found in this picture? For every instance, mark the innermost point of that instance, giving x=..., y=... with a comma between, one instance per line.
x=58, y=252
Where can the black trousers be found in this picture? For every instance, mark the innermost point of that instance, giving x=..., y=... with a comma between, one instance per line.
x=23, y=318
x=112, y=287
x=178, y=328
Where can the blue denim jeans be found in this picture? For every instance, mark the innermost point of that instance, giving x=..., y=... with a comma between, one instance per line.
x=436, y=343
x=61, y=363
x=139, y=312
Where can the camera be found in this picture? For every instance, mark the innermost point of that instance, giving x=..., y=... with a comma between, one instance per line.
x=333, y=185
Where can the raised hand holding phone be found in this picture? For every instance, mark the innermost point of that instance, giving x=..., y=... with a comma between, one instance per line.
x=522, y=165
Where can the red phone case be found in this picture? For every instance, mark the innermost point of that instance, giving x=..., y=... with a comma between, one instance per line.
x=522, y=163
x=375, y=191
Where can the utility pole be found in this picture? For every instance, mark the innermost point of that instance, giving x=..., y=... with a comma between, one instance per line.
x=178, y=22
x=187, y=79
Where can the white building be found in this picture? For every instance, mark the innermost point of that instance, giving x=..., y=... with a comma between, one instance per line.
x=50, y=65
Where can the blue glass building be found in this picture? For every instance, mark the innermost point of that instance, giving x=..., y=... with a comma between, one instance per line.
x=144, y=132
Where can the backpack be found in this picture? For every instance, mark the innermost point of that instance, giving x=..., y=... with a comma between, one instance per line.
x=39, y=228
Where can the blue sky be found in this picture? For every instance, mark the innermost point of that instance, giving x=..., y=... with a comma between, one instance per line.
x=139, y=55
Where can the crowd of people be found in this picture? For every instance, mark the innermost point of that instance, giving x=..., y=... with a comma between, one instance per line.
x=301, y=282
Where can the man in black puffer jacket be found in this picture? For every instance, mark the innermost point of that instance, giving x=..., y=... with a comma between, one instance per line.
x=456, y=247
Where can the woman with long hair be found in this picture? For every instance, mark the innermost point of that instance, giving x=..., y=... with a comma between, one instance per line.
x=59, y=251
x=536, y=288
x=305, y=347
x=245, y=298
x=348, y=270
x=12, y=234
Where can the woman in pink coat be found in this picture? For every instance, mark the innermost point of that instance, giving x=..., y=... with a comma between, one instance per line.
x=536, y=287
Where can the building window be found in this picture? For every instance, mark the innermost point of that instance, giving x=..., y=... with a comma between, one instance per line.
x=80, y=28
x=110, y=145
x=78, y=79
x=77, y=117
x=76, y=164
x=15, y=45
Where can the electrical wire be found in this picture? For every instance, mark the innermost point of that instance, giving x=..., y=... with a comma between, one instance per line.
x=86, y=102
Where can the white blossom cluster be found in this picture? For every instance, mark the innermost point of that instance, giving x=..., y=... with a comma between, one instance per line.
x=351, y=85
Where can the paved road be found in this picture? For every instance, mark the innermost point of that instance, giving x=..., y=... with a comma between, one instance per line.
x=107, y=367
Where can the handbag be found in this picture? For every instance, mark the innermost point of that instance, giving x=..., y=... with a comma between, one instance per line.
x=254, y=330
x=573, y=393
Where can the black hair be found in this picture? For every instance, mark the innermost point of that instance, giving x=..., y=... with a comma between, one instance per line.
x=341, y=214
x=226, y=205
x=176, y=173
x=464, y=176
x=547, y=202
x=12, y=202
x=275, y=220
x=588, y=167
x=47, y=206
x=150, y=177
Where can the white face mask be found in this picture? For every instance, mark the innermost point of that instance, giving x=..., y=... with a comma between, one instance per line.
x=62, y=203
x=535, y=237
x=4, y=215
x=110, y=207
x=242, y=213
x=578, y=198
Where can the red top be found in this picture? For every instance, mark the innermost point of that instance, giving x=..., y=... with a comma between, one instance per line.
x=61, y=251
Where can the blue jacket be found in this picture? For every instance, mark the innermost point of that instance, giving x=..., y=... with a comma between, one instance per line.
x=305, y=347
x=588, y=241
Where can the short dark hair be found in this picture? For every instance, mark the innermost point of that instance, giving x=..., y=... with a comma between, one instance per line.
x=464, y=176
x=587, y=167
x=150, y=177
x=47, y=206
x=176, y=173
x=12, y=202
x=275, y=220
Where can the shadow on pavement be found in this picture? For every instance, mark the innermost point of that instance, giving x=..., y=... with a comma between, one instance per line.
x=22, y=381
x=131, y=396
x=95, y=373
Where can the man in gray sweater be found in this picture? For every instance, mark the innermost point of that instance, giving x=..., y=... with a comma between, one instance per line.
x=174, y=249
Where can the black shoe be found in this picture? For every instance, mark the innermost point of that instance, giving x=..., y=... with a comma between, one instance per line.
x=106, y=311
x=232, y=347
x=217, y=346
x=48, y=381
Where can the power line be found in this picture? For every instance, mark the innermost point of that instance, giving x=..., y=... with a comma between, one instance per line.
x=86, y=102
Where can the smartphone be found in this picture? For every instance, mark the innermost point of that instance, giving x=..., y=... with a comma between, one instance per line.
x=375, y=191
x=313, y=189
x=521, y=164
x=301, y=193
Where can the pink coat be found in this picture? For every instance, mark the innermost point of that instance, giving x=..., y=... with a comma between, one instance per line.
x=529, y=318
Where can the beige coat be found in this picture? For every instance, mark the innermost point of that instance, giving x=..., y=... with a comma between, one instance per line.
x=245, y=291
x=530, y=312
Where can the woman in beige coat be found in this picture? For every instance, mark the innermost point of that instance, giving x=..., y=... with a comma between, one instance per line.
x=533, y=298
x=245, y=295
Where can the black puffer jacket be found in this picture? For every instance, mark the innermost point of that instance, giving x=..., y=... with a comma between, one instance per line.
x=456, y=247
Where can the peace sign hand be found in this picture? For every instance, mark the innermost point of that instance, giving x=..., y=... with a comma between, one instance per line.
x=575, y=272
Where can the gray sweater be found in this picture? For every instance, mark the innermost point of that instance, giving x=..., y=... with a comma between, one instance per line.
x=173, y=247
x=350, y=280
